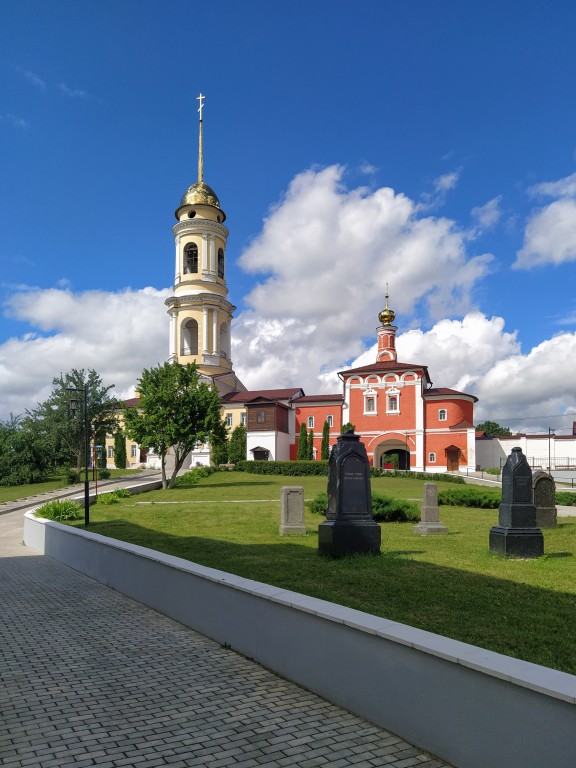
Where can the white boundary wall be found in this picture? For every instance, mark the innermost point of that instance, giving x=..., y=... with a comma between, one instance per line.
x=471, y=707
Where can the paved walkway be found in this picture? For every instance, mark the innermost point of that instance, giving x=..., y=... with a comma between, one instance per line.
x=91, y=678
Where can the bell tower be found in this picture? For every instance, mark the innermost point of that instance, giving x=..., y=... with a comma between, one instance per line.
x=200, y=313
x=386, y=334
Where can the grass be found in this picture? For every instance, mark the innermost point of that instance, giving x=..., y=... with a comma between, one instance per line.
x=451, y=585
x=55, y=483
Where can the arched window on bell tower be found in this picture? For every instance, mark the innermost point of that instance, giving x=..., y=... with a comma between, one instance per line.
x=190, y=258
x=221, y=263
x=189, y=337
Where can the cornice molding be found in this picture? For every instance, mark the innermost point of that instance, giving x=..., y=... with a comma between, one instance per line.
x=199, y=226
x=199, y=300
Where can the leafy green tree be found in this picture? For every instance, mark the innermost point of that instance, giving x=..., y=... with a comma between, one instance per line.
x=100, y=439
x=24, y=454
x=310, y=446
x=302, y=453
x=61, y=429
x=120, y=458
x=492, y=429
x=325, y=447
x=219, y=450
x=347, y=427
x=237, y=445
x=176, y=412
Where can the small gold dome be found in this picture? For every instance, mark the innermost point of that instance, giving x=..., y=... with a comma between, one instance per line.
x=387, y=316
x=200, y=194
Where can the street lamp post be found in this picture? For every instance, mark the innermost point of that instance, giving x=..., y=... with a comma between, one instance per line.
x=73, y=405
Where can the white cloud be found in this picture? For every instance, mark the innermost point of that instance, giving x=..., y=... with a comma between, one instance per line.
x=32, y=78
x=447, y=181
x=326, y=254
x=14, y=120
x=117, y=334
x=487, y=215
x=550, y=235
x=73, y=93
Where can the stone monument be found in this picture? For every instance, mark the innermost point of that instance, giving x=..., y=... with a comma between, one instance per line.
x=544, y=496
x=292, y=510
x=349, y=527
x=517, y=534
x=430, y=524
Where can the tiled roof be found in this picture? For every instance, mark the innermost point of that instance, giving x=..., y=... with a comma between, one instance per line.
x=268, y=394
x=440, y=391
x=387, y=365
x=320, y=399
x=132, y=402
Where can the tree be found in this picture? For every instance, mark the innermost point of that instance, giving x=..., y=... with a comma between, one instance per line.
x=347, y=427
x=120, y=449
x=63, y=431
x=302, y=452
x=100, y=440
x=310, y=446
x=24, y=452
x=237, y=445
x=219, y=451
x=492, y=429
x=325, y=448
x=176, y=412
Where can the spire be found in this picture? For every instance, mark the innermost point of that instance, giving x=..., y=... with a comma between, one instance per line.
x=387, y=315
x=200, y=150
x=386, y=334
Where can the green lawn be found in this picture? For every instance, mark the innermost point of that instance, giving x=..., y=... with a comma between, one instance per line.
x=13, y=492
x=450, y=584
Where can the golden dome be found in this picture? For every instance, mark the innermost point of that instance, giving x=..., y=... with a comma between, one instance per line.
x=200, y=194
x=387, y=315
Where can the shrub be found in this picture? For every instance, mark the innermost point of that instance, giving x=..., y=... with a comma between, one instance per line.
x=60, y=510
x=483, y=498
x=385, y=509
x=291, y=468
x=319, y=504
x=428, y=476
x=71, y=476
x=566, y=499
x=114, y=496
x=104, y=474
x=492, y=470
x=193, y=476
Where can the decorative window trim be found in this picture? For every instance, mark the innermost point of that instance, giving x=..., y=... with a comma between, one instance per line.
x=310, y=422
x=243, y=419
x=442, y=414
x=134, y=451
x=370, y=402
x=229, y=419
x=431, y=458
x=261, y=417
x=330, y=420
x=393, y=401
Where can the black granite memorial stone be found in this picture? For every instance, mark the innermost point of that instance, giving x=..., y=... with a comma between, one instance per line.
x=349, y=527
x=517, y=534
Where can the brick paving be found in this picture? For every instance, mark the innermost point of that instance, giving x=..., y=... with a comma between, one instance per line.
x=91, y=678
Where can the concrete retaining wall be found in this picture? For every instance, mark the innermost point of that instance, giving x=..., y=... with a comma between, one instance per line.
x=472, y=707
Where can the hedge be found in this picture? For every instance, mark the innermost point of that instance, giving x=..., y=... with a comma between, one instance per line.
x=385, y=509
x=566, y=498
x=482, y=498
x=301, y=468
x=293, y=468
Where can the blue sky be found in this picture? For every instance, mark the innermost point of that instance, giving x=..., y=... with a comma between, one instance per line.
x=463, y=111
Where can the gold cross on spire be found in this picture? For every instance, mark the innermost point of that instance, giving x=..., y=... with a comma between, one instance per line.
x=200, y=149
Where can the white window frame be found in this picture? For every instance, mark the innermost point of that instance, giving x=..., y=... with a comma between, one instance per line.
x=330, y=420
x=310, y=422
x=229, y=419
x=134, y=451
x=110, y=451
x=243, y=419
x=442, y=414
x=432, y=458
x=370, y=395
x=393, y=395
